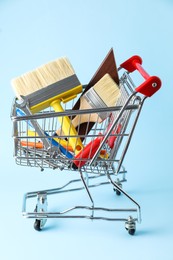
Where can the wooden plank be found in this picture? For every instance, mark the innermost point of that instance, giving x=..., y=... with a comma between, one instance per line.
x=108, y=65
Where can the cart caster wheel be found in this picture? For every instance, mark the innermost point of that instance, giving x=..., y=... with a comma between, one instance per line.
x=119, y=184
x=37, y=225
x=117, y=192
x=131, y=231
x=130, y=226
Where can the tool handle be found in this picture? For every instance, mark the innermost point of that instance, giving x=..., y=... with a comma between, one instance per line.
x=151, y=84
x=52, y=141
x=113, y=136
x=88, y=152
x=79, y=121
x=38, y=145
x=84, y=118
x=62, y=149
x=68, y=128
x=62, y=142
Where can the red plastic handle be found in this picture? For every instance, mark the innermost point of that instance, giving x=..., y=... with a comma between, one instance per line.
x=113, y=137
x=151, y=84
x=88, y=152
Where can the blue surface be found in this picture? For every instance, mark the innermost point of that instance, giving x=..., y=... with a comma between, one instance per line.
x=34, y=32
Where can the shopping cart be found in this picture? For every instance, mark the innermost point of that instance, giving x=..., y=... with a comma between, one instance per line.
x=99, y=163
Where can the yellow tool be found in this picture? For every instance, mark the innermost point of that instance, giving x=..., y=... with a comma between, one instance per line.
x=49, y=85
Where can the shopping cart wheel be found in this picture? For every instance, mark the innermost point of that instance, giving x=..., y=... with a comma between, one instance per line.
x=117, y=192
x=37, y=225
x=132, y=231
x=130, y=226
x=41, y=207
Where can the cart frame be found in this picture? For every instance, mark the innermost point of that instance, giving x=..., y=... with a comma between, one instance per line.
x=110, y=169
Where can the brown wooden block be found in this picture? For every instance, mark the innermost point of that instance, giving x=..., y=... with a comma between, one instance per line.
x=108, y=65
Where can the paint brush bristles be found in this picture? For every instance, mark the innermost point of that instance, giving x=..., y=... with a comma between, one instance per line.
x=107, y=90
x=42, y=77
x=47, y=86
x=105, y=93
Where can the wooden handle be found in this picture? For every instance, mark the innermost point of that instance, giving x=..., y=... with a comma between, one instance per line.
x=83, y=118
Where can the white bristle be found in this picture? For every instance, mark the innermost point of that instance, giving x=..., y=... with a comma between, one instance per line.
x=107, y=90
x=42, y=76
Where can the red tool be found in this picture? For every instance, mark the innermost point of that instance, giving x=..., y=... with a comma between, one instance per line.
x=88, y=151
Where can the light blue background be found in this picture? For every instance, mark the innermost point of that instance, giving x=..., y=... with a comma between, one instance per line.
x=33, y=32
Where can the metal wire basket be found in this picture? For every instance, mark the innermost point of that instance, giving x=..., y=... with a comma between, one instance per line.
x=102, y=156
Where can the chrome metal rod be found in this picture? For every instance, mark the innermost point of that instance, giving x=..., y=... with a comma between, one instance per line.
x=128, y=196
x=110, y=130
x=42, y=216
x=71, y=113
x=130, y=135
x=87, y=190
x=35, y=124
x=58, y=190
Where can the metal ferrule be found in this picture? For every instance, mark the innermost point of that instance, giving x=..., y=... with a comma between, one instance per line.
x=96, y=102
x=55, y=89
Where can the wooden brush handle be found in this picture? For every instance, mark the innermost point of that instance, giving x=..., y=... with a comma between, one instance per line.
x=68, y=128
x=83, y=118
x=108, y=65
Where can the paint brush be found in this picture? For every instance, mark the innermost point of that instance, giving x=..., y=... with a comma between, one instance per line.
x=103, y=94
x=48, y=86
x=108, y=65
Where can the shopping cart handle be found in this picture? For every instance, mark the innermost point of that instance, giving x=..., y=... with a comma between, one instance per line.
x=130, y=64
x=151, y=84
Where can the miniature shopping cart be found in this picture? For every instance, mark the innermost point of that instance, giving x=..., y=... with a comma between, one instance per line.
x=99, y=163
